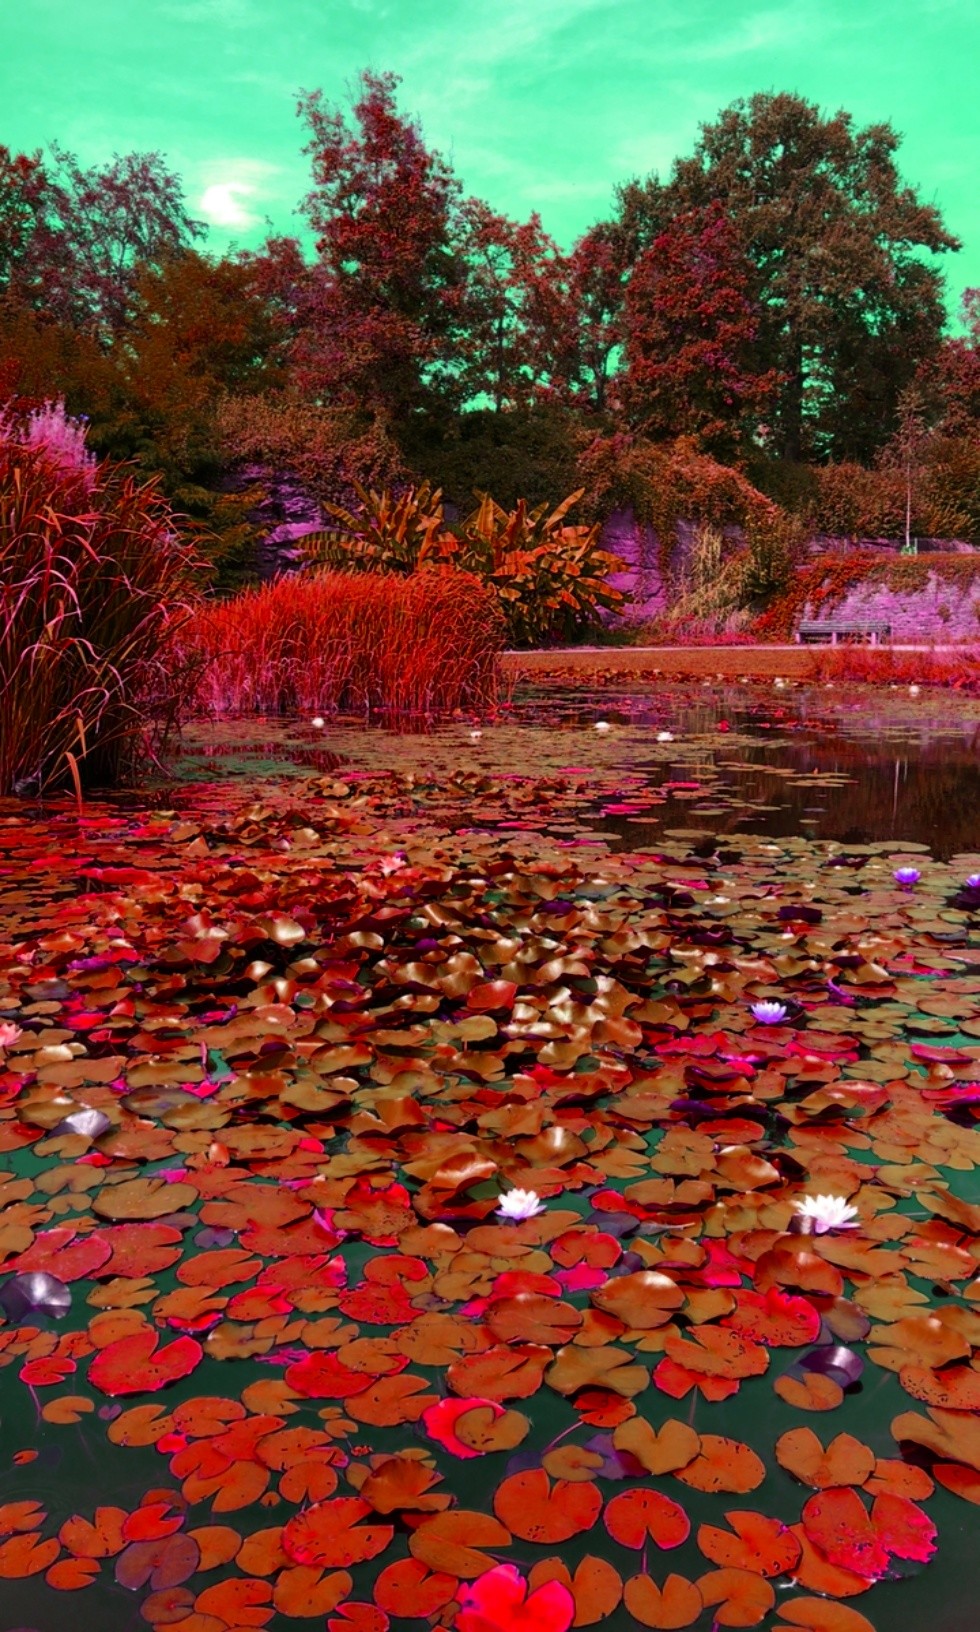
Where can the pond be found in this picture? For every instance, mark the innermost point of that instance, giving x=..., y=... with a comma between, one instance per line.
x=277, y=1036
x=830, y=764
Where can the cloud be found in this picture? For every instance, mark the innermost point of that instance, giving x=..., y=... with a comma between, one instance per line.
x=224, y=185
x=220, y=206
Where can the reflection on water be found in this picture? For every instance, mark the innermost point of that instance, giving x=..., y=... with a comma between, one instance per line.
x=829, y=764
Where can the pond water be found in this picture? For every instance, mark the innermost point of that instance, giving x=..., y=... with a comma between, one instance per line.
x=853, y=766
x=277, y=1034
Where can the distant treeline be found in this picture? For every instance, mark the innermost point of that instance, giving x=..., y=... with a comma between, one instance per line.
x=766, y=323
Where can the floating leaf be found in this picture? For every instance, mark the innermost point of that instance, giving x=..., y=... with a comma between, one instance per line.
x=330, y=1535
x=636, y=1516
x=844, y=1462
x=758, y=1543
x=449, y=1543
x=676, y=1603
x=723, y=1464
x=534, y=1509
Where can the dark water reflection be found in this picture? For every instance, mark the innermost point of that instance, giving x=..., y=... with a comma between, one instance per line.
x=858, y=767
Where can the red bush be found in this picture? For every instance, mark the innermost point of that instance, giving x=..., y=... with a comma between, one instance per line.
x=328, y=642
x=882, y=666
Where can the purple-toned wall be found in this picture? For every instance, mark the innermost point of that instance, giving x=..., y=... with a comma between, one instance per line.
x=642, y=579
x=939, y=613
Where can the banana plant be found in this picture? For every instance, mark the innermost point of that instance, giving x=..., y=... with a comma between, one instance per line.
x=387, y=534
x=551, y=579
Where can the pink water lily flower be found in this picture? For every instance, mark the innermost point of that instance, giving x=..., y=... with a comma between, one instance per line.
x=9, y=1033
x=520, y=1204
x=820, y=1214
x=769, y=1013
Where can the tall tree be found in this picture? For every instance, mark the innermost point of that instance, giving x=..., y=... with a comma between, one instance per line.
x=513, y=272
x=387, y=297
x=692, y=368
x=581, y=330
x=24, y=193
x=73, y=241
x=848, y=307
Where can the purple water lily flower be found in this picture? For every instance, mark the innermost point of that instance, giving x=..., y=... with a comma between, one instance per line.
x=973, y=882
x=769, y=1013
x=906, y=876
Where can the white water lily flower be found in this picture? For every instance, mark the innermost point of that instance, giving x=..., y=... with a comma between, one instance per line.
x=665, y=736
x=603, y=725
x=823, y=1213
x=475, y=736
x=769, y=1013
x=913, y=691
x=318, y=721
x=519, y=1204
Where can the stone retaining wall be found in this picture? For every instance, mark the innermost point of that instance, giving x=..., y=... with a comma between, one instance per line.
x=940, y=613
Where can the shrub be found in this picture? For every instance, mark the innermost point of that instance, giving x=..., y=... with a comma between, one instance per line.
x=93, y=587
x=549, y=578
x=663, y=483
x=774, y=548
x=710, y=590
x=522, y=452
x=329, y=450
x=389, y=534
x=327, y=642
x=882, y=666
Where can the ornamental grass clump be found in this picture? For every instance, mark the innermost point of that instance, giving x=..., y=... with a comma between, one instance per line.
x=328, y=642
x=94, y=584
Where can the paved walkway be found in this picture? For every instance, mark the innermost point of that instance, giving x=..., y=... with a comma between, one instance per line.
x=796, y=662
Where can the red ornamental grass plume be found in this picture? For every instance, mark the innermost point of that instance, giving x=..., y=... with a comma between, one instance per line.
x=353, y=642
x=94, y=583
x=499, y=1602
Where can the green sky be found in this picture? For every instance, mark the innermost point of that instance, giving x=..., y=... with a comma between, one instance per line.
x=539, y=104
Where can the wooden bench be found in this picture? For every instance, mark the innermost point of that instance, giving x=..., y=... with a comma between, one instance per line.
x=835, y=629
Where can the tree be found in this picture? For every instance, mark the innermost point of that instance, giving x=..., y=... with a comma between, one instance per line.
x=580, y=327
x=211, y=320
x=72, y=241
x=389, y=285
x=512, y=269
x=24, y=194
x=848, y=309
x=690, y=328
x=952, y=377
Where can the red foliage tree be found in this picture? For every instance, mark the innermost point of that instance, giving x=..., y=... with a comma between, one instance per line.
x=384, y=306
x=73, y=241
x=24, y=190
x=690, y=324
x=512, y=271
x=575, y=332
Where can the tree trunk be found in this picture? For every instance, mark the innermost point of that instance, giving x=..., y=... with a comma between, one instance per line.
x=793, y=406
